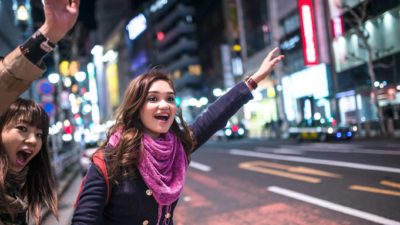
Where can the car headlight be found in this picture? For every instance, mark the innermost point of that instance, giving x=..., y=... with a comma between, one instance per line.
x=330, y=130
x=354, y=128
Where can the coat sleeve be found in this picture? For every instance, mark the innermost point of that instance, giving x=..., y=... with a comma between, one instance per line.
x=218, y=113
x=16, y=75
x=92, y=199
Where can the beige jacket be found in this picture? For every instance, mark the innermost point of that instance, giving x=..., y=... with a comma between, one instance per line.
x=16, y=75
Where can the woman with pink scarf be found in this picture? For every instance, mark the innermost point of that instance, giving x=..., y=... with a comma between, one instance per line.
x=148, y=151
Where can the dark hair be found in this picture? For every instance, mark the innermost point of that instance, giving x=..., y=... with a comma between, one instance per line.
x=39, y=187
x=122, y=161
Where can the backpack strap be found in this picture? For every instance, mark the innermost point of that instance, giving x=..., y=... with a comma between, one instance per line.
x=98, y=160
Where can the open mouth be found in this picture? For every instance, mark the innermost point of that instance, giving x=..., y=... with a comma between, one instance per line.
x=23, y=157
x=162, y=117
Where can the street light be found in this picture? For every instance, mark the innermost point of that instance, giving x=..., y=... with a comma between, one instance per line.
x=22, y=10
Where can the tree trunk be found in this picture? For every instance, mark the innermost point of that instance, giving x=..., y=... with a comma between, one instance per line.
x=371, y=73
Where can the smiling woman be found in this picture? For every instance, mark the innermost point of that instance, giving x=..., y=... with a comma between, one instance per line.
x=26, y=180
x=148, y=151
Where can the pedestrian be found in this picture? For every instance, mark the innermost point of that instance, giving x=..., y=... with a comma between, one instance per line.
x=389, y=119
x=24, y=64
x=26, y=181
x=148, y=151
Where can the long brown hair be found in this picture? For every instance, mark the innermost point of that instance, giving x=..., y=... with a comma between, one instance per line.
x=122, y=161
x=39, y=187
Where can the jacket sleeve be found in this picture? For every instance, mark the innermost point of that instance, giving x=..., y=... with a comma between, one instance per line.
x=218, y=113
x=16, y=76
x=92, y=199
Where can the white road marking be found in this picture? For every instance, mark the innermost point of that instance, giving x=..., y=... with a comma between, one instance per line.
x=339, y=148
x=282, y=151
x=333, y=206
x=314, y=161
x=200, y=166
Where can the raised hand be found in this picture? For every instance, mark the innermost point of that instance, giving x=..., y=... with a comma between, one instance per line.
x=60, y=17
x=267, y=65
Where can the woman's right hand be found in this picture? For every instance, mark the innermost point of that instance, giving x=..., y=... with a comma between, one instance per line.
x=60, y=17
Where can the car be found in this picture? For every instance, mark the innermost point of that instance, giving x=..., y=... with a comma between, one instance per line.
x=232, y=131
x=322, y=130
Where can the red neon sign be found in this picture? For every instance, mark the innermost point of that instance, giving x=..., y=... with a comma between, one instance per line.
x=337, y=26
x=308, y=36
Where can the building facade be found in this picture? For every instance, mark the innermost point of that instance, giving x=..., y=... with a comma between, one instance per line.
x=355, y=93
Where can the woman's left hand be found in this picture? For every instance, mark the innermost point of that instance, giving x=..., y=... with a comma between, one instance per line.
x=267, y=65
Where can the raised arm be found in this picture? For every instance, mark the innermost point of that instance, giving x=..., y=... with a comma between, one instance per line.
x=23, y=65
x=60, y=16
x=218, y=113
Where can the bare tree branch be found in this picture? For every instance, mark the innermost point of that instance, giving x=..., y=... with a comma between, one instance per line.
x=384, y=65
x=353, y=57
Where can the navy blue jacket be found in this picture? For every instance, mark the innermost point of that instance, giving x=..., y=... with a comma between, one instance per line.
x=131, y=202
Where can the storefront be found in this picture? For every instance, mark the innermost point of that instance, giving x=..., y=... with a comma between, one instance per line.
x=357, y=107
x=306, y=94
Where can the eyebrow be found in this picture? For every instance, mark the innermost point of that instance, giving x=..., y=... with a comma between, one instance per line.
x=157, y=92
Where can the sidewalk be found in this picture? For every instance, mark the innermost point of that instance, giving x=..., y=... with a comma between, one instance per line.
x=66, y=198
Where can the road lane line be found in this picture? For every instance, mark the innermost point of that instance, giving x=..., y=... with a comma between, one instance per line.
x=374, y=190
x=200, y=166
x=310, y=171
x=390, y=183
x=280, y=173
x=333, y=206
x=338, y=149
x=293, y=169
x=314, y=161
x=282, y=151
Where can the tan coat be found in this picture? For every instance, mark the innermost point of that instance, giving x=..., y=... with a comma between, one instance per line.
x=16, y=75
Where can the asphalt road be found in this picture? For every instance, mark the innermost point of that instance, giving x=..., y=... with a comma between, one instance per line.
x=261, y=182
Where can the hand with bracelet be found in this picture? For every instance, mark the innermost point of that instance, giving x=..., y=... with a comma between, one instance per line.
x=264, y=70
x=60, y=17
x=24, y=64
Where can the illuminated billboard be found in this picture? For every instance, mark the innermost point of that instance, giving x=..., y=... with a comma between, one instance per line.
x=308, y=36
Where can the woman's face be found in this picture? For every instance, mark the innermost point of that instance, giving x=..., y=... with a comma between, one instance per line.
x=158, y=112
x=21, y=142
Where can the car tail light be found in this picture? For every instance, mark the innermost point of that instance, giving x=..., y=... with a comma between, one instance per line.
x=235, y=128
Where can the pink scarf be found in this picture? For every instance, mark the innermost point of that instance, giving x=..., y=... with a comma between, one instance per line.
x=163, y=166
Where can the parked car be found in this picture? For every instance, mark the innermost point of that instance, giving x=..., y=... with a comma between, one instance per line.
x=232, y=131
x=322, y=130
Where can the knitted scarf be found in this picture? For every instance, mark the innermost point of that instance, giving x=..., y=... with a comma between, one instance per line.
x=163, y=166
x=13, y=208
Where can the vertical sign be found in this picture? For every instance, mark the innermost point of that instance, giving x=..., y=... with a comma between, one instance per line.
x=308, y=37
x=337, y=26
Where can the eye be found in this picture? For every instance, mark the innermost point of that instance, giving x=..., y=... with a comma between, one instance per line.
x=152, y=99
x=39, y=135
x=171, y=99
x=22, y=128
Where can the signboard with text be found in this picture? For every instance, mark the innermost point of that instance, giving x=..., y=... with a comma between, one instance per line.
x=308, y=35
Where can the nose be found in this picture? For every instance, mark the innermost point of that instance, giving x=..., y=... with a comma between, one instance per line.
x=31, y=139
x=163, y=105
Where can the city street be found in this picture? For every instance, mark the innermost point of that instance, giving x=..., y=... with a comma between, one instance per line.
x=283, y=182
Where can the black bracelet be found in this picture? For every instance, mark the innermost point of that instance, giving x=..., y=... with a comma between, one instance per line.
x=251, y=82
x=37, y=47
